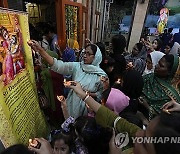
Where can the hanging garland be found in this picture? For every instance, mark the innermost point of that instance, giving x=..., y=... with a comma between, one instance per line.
x=71, y=22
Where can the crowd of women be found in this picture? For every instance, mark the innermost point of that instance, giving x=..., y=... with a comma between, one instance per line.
x=135, y=93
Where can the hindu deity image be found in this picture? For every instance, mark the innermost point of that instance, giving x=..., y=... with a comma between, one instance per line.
x=11, y=48
x=162, y=21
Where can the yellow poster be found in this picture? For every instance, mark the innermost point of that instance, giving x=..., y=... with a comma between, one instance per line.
x=20, y=114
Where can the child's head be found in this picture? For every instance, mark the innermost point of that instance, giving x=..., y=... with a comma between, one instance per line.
x=62, y=142
x=94, y=137
x=86, y=128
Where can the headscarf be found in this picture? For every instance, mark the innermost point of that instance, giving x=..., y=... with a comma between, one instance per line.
x=175, y=48
x=94, y=67
x=157, y=91
x=68, y=55
x=132, y=84
x=155, y=57
x=117, y=101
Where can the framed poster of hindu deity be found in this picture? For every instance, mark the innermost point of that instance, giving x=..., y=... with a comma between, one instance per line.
x=20, y=114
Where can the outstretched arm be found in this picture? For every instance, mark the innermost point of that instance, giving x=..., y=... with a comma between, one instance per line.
x=36, y=47
x=63, y=106
x=82, y=94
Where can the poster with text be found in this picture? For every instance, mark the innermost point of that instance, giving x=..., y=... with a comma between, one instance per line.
x=20, y=114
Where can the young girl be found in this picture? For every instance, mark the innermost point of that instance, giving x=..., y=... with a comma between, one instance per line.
x=62, y=142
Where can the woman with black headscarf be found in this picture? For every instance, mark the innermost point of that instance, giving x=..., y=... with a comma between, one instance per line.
x=132, y=85
x=118, y=44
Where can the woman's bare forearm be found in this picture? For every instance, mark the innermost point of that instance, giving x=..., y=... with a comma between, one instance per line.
x=90, y=101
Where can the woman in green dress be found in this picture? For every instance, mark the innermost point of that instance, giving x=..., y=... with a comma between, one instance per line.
x=162, y=85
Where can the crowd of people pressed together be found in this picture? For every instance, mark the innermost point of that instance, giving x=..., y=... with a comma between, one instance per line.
x=90, y=95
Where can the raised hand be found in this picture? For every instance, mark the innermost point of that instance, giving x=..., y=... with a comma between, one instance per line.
x=171, y=106
x=76, y=87
x=112, y=147
x=34, y=45
x=62, y=100
x=45, y=147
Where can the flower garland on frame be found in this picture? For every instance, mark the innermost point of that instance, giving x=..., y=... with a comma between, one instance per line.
x=71, y=22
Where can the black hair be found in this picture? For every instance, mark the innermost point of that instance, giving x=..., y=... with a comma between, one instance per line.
x=170, y=60
x=94, y=137
x=159, y=44
x=170, y=44
x=139, y=46
x=106, y=93
x=102, y=48
x=168, y=126
x=107, y=62
x=34, y=33
x=93, y=48
x=170, y=30
x=131, y=88
x=132, y=118
x=165, y=31
x=48, y=28
x=144, y=36
x=110, y=61
x=118, y=43
x=67, y=137
x=17, y=149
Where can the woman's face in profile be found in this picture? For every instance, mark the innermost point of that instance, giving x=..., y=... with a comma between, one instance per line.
x=161, y=69
x=135, y=51
x=149, y=63
x=88, y=55
x=155, y=44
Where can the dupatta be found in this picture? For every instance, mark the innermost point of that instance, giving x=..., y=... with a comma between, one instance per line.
x=157, y=91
